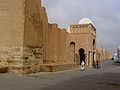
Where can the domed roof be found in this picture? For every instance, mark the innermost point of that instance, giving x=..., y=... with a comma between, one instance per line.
x=85, y=21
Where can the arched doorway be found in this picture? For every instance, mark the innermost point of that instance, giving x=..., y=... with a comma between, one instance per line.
x=72, y=52
x=93, y=42
x=82, y=55
x=94, y=48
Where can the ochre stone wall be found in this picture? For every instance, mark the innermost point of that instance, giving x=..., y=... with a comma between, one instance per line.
x=61, y=44
x=29, y=44
x=33, y=34
x=45, y=34
x=11, y=23
x=53, y=43
x=57, y=44
x=24, y=37
x=11, y=32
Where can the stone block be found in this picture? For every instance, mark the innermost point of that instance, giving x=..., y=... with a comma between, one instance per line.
x=3, y=69
x=57, y=67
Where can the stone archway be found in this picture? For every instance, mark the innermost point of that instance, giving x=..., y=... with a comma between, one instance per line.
x=82, y=55
x=72, y=52
x=93, y=42
x=94, y=48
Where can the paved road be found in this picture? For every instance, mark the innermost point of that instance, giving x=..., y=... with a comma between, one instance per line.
x=107, y=77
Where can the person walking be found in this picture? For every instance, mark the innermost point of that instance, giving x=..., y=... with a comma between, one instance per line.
x=97, y=64
x=83, y=66
x=94, y=64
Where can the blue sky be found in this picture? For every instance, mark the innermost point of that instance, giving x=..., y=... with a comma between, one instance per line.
x=105, y=14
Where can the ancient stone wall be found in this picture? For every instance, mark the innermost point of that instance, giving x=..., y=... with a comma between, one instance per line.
x=61, y=44
x=35, y=22
x=53, y=43
x=30, y=44
x=11, y=32
x=44, y=18
x=57, y=44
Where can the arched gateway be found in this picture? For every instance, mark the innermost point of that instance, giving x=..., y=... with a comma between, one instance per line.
x=82, y=55
x=72, y=52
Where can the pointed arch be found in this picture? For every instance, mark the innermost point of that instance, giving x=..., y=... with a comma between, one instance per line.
x=72, y=52
x=82, y=55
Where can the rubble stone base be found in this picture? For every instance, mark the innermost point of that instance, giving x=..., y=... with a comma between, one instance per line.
x=3, y=69
x=57, y=67
x=37, y=68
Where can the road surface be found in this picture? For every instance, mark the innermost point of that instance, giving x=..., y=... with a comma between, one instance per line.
x=105, y=78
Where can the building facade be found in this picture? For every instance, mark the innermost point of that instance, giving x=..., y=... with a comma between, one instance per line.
x=103, y=54
x=83, y=35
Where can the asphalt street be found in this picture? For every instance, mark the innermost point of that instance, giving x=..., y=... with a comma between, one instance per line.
x=107, y=77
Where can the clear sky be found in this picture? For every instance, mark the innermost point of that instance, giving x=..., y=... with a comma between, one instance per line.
x=105, y=15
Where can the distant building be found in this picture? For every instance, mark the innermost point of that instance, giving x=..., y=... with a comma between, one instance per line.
x=83, y=35
x=103, y=54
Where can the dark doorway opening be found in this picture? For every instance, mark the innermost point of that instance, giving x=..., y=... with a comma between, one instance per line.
x=93, y=56
x=82, y=55
x=93, y=42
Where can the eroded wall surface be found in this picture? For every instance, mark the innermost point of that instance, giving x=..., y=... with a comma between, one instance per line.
x=34, y=35
x=31, y=44
x=11, y=32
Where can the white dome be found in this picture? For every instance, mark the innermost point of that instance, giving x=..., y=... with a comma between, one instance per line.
x=85, y=21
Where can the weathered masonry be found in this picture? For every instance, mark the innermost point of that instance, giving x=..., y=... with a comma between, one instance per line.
x=83, y=37
x=29, y=44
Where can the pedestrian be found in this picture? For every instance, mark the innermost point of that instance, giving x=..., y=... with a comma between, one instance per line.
x=97, y=64
x=82, y=66
x=94, y=64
